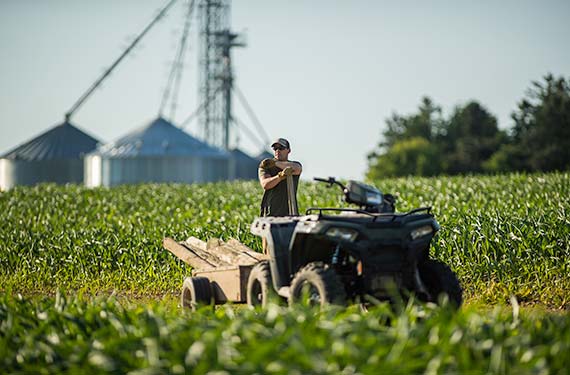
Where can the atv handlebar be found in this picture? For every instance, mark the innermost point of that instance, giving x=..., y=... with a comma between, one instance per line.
x=331, y=181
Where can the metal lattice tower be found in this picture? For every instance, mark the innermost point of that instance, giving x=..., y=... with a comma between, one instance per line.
x=216, y=74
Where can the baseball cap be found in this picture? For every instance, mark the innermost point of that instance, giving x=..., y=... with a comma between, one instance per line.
x=282, y=141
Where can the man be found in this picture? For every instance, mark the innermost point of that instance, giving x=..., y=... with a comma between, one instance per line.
x=273, y=174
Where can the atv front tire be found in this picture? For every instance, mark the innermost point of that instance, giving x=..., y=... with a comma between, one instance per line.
x=259, y=285
x=439, y=280
x=317, y=285
x=196, y=291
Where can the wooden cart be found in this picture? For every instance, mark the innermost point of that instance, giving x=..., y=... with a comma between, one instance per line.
x=220, y=270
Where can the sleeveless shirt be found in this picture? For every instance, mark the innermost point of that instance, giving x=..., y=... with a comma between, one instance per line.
x=275, y=201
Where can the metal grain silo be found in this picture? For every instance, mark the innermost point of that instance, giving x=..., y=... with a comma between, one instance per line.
x=53, y=156
x=244, y=167
x=264, y=155
x=157, y=152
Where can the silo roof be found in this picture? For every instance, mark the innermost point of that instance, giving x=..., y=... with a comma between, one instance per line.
x=158, y=138
x=239, y=154
x=63, y=141
x=265, y=155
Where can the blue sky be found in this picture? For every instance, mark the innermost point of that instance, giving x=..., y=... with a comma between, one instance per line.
x=325, y=74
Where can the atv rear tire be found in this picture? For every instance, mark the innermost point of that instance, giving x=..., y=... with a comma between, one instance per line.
x=196, y=291
x=259, y=285
x=439, y=280
x=317, y=285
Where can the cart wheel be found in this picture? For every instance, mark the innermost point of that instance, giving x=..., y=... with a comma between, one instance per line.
x=259, y=284
x=196, y=291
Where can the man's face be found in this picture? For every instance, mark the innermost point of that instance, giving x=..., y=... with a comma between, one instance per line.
x=281, y=153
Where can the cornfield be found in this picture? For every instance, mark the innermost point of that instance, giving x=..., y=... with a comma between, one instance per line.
x=65, y=249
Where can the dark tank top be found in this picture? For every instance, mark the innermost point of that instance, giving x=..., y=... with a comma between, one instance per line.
x=275, y=201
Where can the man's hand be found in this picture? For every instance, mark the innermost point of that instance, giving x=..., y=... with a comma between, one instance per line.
x=286, y=172
x=267, y=163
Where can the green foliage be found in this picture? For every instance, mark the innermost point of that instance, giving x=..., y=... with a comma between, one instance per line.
x=471, y=138
x=469, y=141
x=72, y=335
x=425, y=124
x=426, y=144
x=508, y=158
x=76, y=237
x=503, y=235
x=541, y=135
x=506, y=235
x=106, y=239
x=411, y=156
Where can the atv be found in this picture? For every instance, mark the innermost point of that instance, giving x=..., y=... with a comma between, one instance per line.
x=351, y=255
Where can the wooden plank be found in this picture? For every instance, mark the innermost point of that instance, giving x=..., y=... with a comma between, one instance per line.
x=213, y=243
x=233, y=256
x=228, y=254
x=207, y=254
x=233, y=252
x=244, y=249
x=187, y=256
x=214, y=253
x=194, y=242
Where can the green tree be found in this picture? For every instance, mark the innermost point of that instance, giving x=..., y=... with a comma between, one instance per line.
x=407, y=146
x=541, y=134
x=411, y=156
x=469, y=139
x=426, y=123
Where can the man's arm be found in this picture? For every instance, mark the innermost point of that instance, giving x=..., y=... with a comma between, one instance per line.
x=268, y=182
x=296, y=167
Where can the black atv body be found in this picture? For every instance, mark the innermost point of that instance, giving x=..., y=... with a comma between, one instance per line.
x=341, y=255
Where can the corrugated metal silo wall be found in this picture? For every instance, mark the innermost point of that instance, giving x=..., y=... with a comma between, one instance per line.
x=92, y=171
x=246, y=169
x=17, y=172
x=181, y=169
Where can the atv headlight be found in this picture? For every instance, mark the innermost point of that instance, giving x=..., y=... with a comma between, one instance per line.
x=346, y=234
x=421, y=231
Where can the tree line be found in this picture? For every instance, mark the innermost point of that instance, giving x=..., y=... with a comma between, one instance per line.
x=469, y=140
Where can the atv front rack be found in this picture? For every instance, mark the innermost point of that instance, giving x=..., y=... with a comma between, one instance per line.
x=374, y=216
